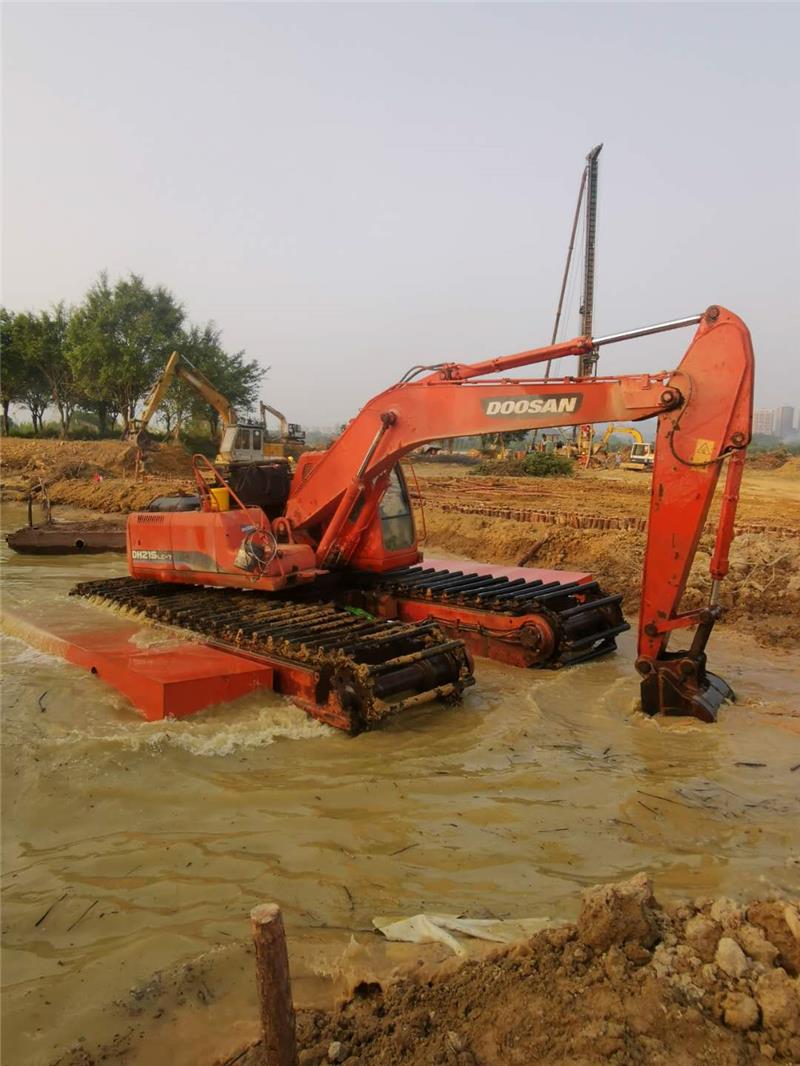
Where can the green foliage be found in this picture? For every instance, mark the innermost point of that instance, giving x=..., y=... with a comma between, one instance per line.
x=118, y=341
x=41, y=430
x=97, y=361
x=537, y=464
x=235, y=377
x=764, y=442
x=35, y=370
x=12, y=372
x=45, y=335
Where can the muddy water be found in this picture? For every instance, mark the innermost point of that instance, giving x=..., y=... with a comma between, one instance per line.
x=129, y=847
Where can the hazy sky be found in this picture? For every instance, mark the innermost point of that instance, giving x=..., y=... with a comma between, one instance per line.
x=348, y=190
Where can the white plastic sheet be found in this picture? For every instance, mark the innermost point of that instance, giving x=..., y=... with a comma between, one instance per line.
x=439, y=929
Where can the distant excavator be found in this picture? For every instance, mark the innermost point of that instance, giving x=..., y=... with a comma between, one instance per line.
x=291, y=441
x=642, y=454
x=257, y=466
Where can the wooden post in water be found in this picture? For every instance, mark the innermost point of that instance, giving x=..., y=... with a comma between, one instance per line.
x=274, y=990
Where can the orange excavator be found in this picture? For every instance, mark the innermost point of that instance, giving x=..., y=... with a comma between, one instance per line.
x=331, y=587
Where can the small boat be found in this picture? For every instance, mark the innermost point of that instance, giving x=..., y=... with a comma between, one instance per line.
x=81, y=537
x=68, y=538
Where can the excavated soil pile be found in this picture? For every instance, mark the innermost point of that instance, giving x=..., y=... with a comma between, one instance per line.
x=791, y=468
x=95, y=474
x=768, y=460
x=630, y=982
x=761, y=591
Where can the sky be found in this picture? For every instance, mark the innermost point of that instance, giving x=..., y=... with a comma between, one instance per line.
x=349, y=190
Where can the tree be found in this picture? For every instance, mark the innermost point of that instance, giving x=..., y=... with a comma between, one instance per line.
x=35, y=395
x=504, y=440
x=118, y=341
x=235, y=377
x=42, y=337
x=12, y=374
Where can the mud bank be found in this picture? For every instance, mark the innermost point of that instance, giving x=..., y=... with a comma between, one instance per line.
x=761, y=593
x=97, y=475
x=111, y=495
x=630, y=982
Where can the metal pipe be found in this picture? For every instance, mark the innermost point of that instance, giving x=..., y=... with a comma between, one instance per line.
x=645, y=331
x=587, y=361
x=567, y=265
x=371, y=450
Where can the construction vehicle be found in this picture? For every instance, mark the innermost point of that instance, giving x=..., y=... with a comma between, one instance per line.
x=237, y=443
x=642, y=453
x=291, y=441
x=345, y=535
x=241, y=441
x=256, y=467
x=642, y=456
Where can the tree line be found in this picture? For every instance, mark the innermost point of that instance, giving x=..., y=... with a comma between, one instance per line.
x=103, y=356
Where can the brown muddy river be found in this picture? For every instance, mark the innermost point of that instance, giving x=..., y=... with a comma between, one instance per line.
x=131, y=848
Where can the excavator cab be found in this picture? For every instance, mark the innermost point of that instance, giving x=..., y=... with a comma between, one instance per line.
x=642, y=457
x=390, y=542
x=242, y=443
x=397, y=521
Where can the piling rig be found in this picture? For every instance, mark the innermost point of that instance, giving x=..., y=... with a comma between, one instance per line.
x=345, y=532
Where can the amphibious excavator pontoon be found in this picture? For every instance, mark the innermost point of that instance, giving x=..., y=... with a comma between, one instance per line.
x=326, y=581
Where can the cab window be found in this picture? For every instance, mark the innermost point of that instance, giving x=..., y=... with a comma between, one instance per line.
x=397, y=523
x=243, y=439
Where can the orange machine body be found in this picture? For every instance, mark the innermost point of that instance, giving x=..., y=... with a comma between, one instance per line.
x=348, y=509
x=206, y=548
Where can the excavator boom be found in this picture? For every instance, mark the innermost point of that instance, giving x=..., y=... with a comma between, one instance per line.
x=704, y=411
x=345, y=525
x=178, y=366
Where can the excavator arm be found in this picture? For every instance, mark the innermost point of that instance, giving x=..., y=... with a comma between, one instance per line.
x=613, y=431
x=200, y=383
x=156, y=395
x=704, y=411
x=282, y=420
x=178, y=366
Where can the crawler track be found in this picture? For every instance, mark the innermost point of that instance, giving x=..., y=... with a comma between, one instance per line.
x=524, y=623
x=349, y=670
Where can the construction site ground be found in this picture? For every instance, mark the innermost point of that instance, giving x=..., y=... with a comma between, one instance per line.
x=134, y=851
x=594, y=521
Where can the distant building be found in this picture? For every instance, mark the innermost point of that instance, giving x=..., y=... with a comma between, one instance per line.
x=763, y=422
x=783, y=424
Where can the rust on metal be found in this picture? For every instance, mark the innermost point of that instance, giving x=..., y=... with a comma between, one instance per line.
x=347, y=669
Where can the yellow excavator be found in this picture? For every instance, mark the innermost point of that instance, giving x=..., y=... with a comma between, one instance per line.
x=291, y=440
x=258, y=470
x=642, y=454
x=241, y=441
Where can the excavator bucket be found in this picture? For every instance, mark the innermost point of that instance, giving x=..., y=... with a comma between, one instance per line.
x=679, y=684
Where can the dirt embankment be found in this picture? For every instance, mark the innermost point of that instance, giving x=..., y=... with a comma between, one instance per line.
x=99, y=475
x=595, y=521
x=629, y=983
x=598, y=523
x=761, y=593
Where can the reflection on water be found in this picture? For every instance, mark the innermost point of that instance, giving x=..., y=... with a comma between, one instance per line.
x=130, y=846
